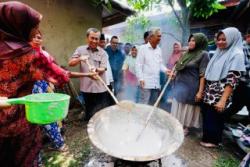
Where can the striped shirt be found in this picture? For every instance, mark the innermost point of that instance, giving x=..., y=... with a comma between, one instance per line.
x=246, y=75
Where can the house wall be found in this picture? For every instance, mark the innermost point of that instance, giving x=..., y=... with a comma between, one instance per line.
x=64, y=25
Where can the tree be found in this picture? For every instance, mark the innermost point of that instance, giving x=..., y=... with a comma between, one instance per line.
x=136, y=25
x=195, y=8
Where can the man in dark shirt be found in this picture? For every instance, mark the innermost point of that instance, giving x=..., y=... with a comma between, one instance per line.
x=116, y=59
x=127, y=49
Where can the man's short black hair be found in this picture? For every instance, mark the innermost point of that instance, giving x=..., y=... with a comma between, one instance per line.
x=128, y=44
x=146, y=34
x=134, y=47
x=114, y=37
x=102, y=37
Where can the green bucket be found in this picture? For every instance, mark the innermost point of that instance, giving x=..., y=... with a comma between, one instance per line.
x=44, y=108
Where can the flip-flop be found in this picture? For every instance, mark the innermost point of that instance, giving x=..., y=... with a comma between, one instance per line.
x=208, y=145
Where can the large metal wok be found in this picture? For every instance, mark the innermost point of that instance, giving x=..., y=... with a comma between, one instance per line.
x=114, y=131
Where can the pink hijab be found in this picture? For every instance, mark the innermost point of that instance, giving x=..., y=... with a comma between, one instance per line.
x=175, y=56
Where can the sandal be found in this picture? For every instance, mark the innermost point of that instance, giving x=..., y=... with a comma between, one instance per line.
x=208, y=145
x=63, y=148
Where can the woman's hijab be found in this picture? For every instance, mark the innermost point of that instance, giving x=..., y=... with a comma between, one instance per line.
x=228, y=59
x=200, y=45
x=175, y=56
x=16, y=23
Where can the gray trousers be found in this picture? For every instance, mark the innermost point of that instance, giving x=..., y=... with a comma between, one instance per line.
x=148, y=96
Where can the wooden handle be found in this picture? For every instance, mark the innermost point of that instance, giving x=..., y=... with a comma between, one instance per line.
x=110, y=92
x=164, y=88
x=104, y=84
x=160, y=96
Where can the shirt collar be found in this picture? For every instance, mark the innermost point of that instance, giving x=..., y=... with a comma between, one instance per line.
x=150, y=46
x=95, y=50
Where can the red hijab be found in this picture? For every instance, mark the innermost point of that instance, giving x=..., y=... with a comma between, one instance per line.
x=16, y=22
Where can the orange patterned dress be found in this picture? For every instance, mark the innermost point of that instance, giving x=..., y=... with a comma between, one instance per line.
x=20, y=141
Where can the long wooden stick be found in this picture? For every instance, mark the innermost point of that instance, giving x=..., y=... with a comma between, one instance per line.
x=104, y=84
x=156, y=103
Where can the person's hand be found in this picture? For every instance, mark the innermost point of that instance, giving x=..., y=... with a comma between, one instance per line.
x=51, y=85
x=168, y=72
x=173, y=76
x=142, y=84
x=52, y=80
x=220, y=106
x=198, y=97
x=3, y=103
x=93, y=75
x=50, y=88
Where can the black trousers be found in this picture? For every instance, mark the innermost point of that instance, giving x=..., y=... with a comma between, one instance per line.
x=95, y=102
x=111, y=100
x=213, y=124
x=241, y=98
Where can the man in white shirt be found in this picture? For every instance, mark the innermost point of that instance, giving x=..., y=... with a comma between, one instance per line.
x=108, y=73
x=149, y=63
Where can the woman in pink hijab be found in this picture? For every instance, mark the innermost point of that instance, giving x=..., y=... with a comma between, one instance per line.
x=177, y=52
x=174, y=57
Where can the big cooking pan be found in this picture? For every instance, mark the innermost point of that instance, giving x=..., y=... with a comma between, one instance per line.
x=114, y=131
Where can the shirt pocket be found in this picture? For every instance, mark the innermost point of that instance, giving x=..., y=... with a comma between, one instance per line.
x=96, y=61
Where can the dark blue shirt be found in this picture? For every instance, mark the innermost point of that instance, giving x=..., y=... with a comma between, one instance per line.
x=116, y=59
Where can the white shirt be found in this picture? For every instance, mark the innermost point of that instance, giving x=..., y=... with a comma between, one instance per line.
x=108, y=73
x=149, y=63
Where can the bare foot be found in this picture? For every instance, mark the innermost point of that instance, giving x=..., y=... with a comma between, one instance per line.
x=186, y=131
x=63, y=148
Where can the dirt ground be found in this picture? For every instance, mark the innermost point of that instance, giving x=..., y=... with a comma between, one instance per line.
x=190, y=153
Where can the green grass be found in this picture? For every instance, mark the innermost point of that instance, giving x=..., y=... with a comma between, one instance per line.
x=226, y=162
x=57, y=159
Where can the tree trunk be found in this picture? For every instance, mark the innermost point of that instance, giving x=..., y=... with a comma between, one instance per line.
x=183, y=20
x=186, y=24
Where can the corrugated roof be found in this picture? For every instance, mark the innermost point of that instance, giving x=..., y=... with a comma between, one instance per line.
x=118, y=14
